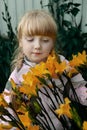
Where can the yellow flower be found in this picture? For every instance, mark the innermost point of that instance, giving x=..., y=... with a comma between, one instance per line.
x=21, y=109
x=5, y=127
x=35, y=127
x=27, y=122
x=50, y=65
x=55, y=67
x=1, y=128
x=72, y=72
x=39, y=70
x=78, y=59
x=13, y=84
x=82, y=56
x=28, y=90
x=64, y=109
x=25, y=119
x=29, y=84
x=29, y=79
x=85, y=125
x=2, y=101
x=61, y=67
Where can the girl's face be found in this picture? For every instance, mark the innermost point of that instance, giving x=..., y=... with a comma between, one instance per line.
x=36, y=48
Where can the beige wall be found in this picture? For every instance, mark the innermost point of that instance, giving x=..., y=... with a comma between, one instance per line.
x=84, y=16
x=18, y=7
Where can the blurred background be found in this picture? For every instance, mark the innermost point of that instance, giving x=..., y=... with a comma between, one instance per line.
x=70, y=16
x=16, y=9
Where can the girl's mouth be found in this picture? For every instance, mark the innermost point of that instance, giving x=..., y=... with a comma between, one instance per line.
x=36, y=53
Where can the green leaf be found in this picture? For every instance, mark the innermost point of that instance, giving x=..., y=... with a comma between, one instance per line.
x=76, y=4
x=67, y=23
x=42, y=80
x=76, y=117
x=75, y=11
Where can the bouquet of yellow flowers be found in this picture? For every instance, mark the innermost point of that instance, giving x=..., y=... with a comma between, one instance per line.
x=43, y=83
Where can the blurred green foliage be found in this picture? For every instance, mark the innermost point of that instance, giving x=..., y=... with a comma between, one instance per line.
x=71, y=39
x=7, y=46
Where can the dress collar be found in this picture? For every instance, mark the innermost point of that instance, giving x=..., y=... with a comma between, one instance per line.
x=29, y=63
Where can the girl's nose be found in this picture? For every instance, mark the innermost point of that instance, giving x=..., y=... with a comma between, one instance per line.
x=37, y=44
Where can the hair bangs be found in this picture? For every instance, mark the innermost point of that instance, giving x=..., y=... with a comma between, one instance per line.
x=39, y=26
x=37, y=23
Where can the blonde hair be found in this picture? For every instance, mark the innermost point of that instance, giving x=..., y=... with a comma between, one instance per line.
x=36, y=22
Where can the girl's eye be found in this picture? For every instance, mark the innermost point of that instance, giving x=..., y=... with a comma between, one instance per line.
x=45, y=40
x=30, y=39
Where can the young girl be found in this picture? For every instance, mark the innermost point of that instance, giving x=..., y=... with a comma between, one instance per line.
x=37, y=32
